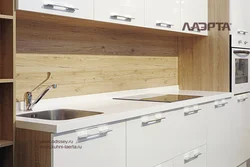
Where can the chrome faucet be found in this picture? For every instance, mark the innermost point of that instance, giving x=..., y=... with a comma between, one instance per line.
x=28, y=97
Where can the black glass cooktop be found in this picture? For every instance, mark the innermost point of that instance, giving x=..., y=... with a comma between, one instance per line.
x=169, y=98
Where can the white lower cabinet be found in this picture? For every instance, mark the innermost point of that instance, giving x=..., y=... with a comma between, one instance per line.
x=220, y=139
x=156, y=138
x=242, y=126
x=92, y=147
x=194, y=158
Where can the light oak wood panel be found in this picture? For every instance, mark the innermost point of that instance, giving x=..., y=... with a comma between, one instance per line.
x=90, y=58
x=33, y=148
x=86, y=74
x=204, y=62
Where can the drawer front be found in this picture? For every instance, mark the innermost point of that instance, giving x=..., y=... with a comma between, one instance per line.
x=120, y=11
x=163, y=14
x=71, y=8
x=149, y=144
x=194, y=158
x=192, y=127
x=96, y=146
x=179, y=131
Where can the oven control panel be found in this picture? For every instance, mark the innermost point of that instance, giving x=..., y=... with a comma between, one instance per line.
x=241, y=41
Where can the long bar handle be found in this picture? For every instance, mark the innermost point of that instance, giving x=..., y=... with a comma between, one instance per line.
x=242, y=99
x=117, y=16
x=158, y=118
x=218, y=104
x=67, y=7
x=164, y=24
x=85, y=135
x=190, y=158
x=190, y=111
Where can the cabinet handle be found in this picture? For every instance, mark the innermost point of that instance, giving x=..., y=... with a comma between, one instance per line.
x=222, y=104
x=146, y=120
x=84, y=134
x=190, y=111
x=67, y=7
x=190, y=158
x=121, y=17
x=164, y=24
x=242, y=99
x=242, y=32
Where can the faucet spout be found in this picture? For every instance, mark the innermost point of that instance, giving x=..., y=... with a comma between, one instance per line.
x=28, y=97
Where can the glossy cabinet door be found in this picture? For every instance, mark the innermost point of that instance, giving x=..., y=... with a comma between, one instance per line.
x=194, y=11
x=243, y=103
x=103, y=145
x=237, y=133
x=220, y=135
x=239, y=16
x=194, y=158
x=167, y=135
x=163, y=14
x=129, y=12
x=71, y=8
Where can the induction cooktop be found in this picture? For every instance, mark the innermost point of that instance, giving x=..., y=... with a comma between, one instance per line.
x=169, y=98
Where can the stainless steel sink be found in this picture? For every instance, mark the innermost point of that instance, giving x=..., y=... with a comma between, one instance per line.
x=60, y=114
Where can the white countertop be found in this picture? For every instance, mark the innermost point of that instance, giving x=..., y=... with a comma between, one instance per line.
x=113, y=110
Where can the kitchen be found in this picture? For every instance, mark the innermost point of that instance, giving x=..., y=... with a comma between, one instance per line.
x=124, y=84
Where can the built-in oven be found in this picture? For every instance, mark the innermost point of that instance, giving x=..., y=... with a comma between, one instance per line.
x=240, y=70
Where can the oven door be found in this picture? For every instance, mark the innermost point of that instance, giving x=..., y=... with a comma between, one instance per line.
x=240, y=70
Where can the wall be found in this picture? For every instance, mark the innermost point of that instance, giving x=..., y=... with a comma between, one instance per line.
x=86, y=57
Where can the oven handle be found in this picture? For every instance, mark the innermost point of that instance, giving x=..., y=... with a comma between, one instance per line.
x=242, y=52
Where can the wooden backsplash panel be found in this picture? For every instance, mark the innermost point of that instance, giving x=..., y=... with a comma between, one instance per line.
x=86, y=59
x=204, y=62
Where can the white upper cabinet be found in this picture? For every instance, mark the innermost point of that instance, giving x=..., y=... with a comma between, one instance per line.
x=239, y=11
x=163, y=14
x=70, y=8
x=194, y=11
x=130, y=12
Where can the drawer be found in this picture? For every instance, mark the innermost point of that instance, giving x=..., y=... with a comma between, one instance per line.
x=164, y=14
x=103, y=145
x=130, y=12
x=71, y=8
x=194, y=158
x=159, y=137
x=192, y=127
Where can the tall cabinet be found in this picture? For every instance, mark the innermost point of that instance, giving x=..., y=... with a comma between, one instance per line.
x=7, y=82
